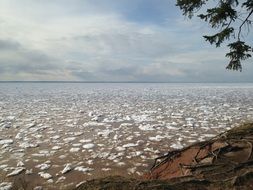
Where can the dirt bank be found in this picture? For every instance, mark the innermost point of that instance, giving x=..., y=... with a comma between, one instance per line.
x=223, y=162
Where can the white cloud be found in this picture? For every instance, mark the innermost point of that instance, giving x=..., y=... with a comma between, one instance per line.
x=57, y=41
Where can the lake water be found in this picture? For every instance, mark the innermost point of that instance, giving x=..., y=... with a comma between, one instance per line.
x=65, y=133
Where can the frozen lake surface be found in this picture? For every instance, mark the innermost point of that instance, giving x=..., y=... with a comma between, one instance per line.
x=60, y=134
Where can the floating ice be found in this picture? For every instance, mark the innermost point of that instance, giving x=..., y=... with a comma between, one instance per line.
x=209, y=135
x=56, y=148
x=38, y=188
x=5, y=186
x=3, y=166
x=60, y=179
x=16, y=171
x=120, y=148
x=135, y=118
x=69, y=139
x=83, y=169
x=85, y=140
x=43, y=166
x=6, y=141
x=55, y=137
x=74, y=150
x=28, y=145
x=105, y=133
x=147, y=127
x=129, y=145
x=45, y=175
x=176, y=146
x=156, y=138
x=66, y=169
x=20, y=164
x=89, y=146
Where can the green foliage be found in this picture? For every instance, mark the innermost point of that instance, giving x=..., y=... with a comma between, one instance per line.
x=219, y=38
x=228, y=17
x=238, y=52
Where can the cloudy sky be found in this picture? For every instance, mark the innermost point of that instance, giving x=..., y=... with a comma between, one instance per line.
x=108, y=40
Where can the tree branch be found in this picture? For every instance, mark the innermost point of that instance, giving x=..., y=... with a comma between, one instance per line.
x=240, y=28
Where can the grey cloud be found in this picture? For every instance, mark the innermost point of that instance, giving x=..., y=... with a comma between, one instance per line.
x=8, y=45
x=84, y=75
x=130, y=44
x=18, y=60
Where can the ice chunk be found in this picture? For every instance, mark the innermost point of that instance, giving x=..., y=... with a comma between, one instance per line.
x=176, y=146
x=66, y=169
x=45, y=175
x=28, y=145
x=6, y=186
x=6, y=141
x=129, y=145
x=83, y=169
x=56, y=148
x=43, y=166
x=156, y=138
x=60, y=179
x=38, y=188
x=89, y=146
x=147, y=127
x=74, y=150
x=16, y=171
x=69, y=139
x=20, y=164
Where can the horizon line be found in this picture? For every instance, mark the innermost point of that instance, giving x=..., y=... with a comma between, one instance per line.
x=45, y=81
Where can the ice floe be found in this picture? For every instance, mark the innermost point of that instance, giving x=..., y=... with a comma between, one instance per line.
x=66, y=169
x=88, y=146
x=16, y=171
x=5, y=186
x=110, y=126
x=83, y=169
x=45, y=175
x=6, y=141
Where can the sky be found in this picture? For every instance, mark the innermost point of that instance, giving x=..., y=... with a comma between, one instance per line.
x=108, y=40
